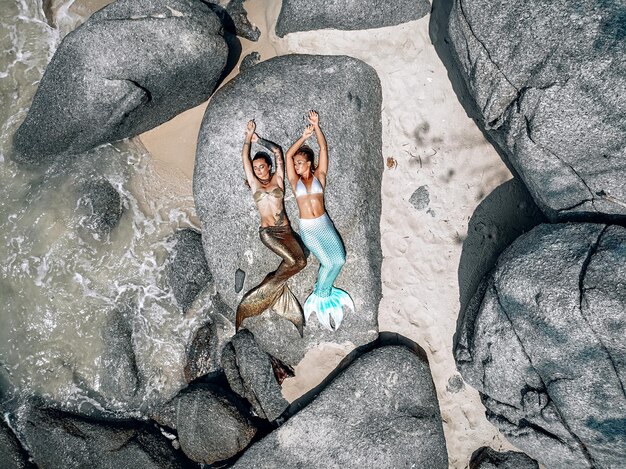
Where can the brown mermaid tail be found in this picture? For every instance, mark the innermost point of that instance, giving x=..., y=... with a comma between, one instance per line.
x=273, y=290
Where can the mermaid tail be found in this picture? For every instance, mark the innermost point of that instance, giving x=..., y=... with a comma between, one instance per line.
x=273, y=291
x=289, y=307
x=321, y=238
x=327, y=307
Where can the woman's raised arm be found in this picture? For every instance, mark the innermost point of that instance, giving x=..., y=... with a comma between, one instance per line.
x=322, y=164
x=293, y=149
x=278, y=156
x=245, y=153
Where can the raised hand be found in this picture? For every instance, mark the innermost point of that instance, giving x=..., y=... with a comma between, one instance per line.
x=314, y=118
x=308, y=131
x=250, y=128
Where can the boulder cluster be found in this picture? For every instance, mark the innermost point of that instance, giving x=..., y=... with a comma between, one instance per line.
x=541, y=330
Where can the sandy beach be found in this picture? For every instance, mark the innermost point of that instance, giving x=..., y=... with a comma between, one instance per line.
x=429, y=146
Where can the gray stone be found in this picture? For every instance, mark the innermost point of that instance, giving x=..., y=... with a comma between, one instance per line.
x=200, y=353
x=188, y=272
x=303, y=15
x=120, y=380
x=551, y=93
x=100, y=207
x=130, y=67
x=278, y=93
x=250, y=374
x=420, y=198
x=12, y=455
x=58, y=439
x=239, y=16
x=212, y=426
x=382, y=411
x=455, y=384
x=250, y=61
x=487, y=458
x=542, y=341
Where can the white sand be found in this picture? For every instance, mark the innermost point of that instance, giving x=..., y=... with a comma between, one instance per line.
x=431, y=142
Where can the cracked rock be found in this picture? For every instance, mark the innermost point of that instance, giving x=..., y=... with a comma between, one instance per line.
x=547, y=82
x=303, y=15
x=250, y=374
x=130, y=67
x=381, y=411
x=542, y=341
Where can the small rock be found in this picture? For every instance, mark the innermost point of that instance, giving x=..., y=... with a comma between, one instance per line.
x=455, y=384
x=487, y=458
x=120, y=379
x=420, y=198
x=188, y=272
x=101, y=207
x=212, y=426
x=200, y=353
x=249, y=61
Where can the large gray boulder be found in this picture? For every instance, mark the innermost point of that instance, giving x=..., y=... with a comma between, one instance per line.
x=250, y=374
x=130, y=67
x=58, y=439
x=547, y=81
x=303, y=15
x=278, y=93
x=382, y=411
x=543, y=342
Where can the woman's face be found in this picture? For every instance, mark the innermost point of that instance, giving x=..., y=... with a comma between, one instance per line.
x=261, y=169
x=302, y=164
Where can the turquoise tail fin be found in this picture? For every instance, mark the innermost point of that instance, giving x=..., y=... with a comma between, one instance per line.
x=327, y=307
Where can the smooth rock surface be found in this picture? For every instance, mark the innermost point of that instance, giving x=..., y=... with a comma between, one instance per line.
x=542, y=340
x=250, y=374
x=212, y=426
x=130, y=67
x=487, y=458
x=548, y=83
x=58, y=439
x=302, y=15
x=382, y=411
x=188, y=271
x=278, y=93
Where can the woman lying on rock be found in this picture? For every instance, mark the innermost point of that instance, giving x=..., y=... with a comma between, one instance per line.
x=316, y=228
x=268, y=190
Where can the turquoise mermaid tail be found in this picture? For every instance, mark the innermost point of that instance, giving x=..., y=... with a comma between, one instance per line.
x=321, y=238
x=328, y=307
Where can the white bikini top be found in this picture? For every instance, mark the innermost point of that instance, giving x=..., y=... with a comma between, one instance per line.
x=316, y=188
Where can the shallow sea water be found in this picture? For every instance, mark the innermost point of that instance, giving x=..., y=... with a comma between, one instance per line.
x=59, y=283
